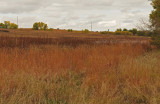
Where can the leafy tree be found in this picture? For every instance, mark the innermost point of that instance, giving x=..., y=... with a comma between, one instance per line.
x=119, y=29
x=70, y=30
x=85, y=31
x=125, y=29
x=45, y=27
x=13, y=26
x=36, y=26
x=155, y=22
x=40, y=26
x=155, y=15
x=134, y=31
x=2, y=25
x=8, y=25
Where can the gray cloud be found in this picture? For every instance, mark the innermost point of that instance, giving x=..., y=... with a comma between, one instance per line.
x=21, y=6
x=76, y=14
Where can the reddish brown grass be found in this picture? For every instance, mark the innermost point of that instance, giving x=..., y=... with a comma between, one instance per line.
x=78, y=70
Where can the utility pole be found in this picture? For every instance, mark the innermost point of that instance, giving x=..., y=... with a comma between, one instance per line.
x=91, y=25
x=17, y=20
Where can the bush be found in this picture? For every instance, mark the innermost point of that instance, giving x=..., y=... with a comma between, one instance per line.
x=134, y=31
x=156, y=39
x=85, y=31
x=7, y=24
x=144, y=33
x=70, y=30
x=119, y=29
x=50, y=29
x=141, y=33
x=106, y=32
x=125, y=29
x=123, y=33
x=2, y=25
x=13, y=26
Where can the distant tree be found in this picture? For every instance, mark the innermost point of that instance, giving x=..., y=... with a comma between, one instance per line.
x=107, y=32
x=70, y=30
x=8, y=25
x=119, y=29
x=45, y=27
x=50, y=29
x=125, y=29
x=13, y=26
x=85, y=31
x=36, y=26
x=40, y=26
x=123, y=33
x=134, y=31
x=2, y=25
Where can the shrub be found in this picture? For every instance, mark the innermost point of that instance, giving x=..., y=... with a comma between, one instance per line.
x=144, y=33
x=134, y=31
x=123, y=33
x=156, y=39
x=50, y=29
x=2, y=25
x=141, y=33
x=13, y=26
x=106, y=32
x=7, y=24
x=70, y=30
x=85, y=31
x=125, y=29
x=119, y=29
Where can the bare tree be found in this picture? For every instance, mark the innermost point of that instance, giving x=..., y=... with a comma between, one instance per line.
x=144, y=25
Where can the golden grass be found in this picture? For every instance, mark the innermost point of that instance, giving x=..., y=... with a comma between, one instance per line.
x=100, y=74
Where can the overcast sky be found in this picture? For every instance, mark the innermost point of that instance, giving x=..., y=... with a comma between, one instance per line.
x=76, y=14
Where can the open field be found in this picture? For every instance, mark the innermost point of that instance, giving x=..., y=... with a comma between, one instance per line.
x=26, y=37
x=60, y=67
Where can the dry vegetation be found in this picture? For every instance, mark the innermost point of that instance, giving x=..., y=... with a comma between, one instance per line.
x=65, y=68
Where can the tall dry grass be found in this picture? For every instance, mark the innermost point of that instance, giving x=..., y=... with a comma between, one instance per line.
x=97, y=74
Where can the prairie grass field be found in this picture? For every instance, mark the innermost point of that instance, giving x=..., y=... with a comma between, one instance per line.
x=60, y=67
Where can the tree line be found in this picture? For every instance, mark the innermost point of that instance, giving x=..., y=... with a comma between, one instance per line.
x=8, y=25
